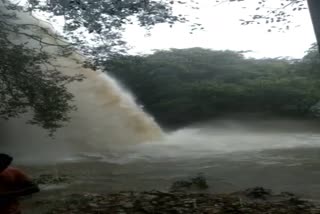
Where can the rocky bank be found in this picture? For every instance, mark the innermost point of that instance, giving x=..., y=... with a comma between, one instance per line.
x=252, y=201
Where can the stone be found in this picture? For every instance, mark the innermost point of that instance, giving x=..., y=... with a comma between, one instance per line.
x=182, y=203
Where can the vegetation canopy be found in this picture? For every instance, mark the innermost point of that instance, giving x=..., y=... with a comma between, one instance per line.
x=181, y=86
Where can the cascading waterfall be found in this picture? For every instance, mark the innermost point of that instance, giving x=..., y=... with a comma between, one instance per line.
x=107, y=115
x=106, y=112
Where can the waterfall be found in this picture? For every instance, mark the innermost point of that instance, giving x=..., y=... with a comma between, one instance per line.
x=107, y=114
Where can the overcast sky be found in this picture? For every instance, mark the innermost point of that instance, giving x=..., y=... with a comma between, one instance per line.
x=223, y=31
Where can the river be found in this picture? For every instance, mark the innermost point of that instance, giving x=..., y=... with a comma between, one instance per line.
x=280, y=155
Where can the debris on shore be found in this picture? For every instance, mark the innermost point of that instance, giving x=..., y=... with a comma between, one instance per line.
x=47, y=179
x=252, y=201
x=197, y=183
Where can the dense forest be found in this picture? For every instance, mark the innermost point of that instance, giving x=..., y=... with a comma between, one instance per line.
x=181, y=86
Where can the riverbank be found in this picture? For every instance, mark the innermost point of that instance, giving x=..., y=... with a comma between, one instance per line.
x=61, y=195
x=251, y=201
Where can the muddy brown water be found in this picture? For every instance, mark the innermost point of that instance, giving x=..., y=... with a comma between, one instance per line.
x=231, y=159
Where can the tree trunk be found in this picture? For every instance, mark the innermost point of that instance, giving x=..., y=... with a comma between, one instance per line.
x=314, y=8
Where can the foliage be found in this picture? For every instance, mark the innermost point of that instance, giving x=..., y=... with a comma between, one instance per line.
x=28, y=83
x=102, y=22
x=181, y=86
x=275, y=14
x=105, y=20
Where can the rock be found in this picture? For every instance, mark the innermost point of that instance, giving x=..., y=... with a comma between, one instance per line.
x=200, y=182
x=257, y=193
x=194, y=183
x=155, y=202
x=178, y=186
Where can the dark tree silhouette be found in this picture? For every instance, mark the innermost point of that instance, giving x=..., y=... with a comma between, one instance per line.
x=314, y=8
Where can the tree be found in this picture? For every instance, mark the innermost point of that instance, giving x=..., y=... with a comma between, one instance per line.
x=103, y=22
x=181, y=86
x=28, y=82
x=105, y=19
x=314, y=7
x=281, y=14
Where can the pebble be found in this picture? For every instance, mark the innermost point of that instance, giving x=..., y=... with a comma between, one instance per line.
x=184, y=203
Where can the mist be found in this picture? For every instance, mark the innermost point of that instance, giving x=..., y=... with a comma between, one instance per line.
x=110, y=124
x=106, y=116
